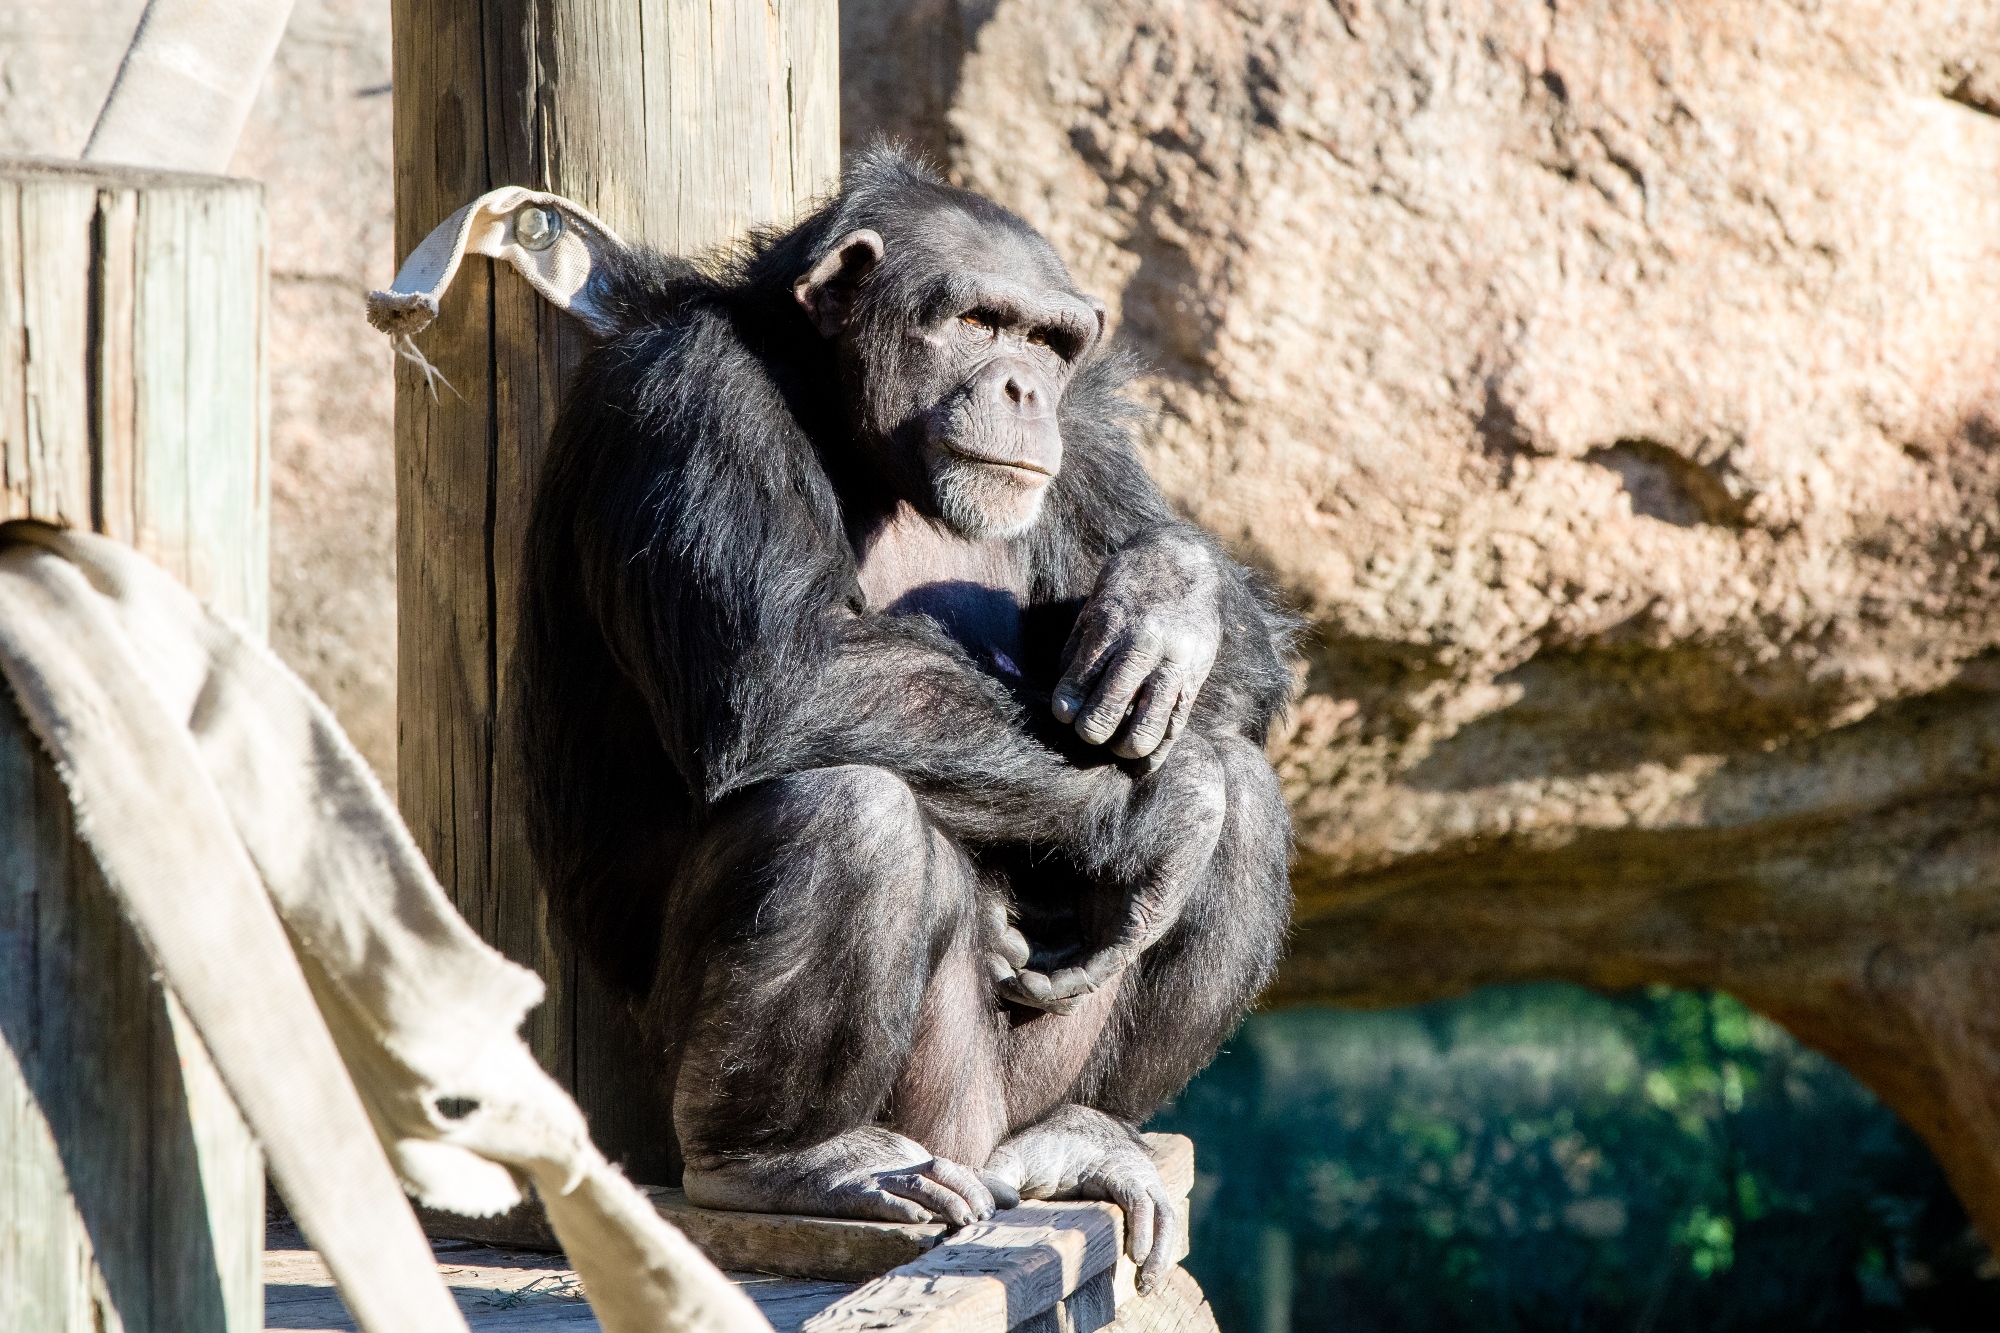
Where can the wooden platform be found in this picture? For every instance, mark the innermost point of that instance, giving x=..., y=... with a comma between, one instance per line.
x=497, y=1289
x=1039, y=1268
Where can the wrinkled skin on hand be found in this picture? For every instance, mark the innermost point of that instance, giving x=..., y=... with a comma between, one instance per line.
x=1179, y=812
x=1142, y=647
x=1135, y=664
x=1078, y=1153
x=871, y=1173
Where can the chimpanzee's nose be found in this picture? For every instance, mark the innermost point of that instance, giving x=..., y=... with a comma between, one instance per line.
x=1011, y=388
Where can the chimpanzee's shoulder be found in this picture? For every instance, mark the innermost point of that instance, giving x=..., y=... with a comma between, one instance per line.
x=641, y=288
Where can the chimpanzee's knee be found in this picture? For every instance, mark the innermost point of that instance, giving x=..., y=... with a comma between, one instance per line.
x=829, y=901
x=1188, y=992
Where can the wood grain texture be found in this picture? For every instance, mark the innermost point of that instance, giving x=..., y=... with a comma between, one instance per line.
x=1045, y=1267
x=681, y=123
x=133, y=394
x=987, y=1277
x=1177, y=1307
x=829, y=1248
x=131, y=400
x=496, y=1289
x=131, y=1193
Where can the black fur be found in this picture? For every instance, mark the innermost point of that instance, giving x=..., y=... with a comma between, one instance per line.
x=695, y=646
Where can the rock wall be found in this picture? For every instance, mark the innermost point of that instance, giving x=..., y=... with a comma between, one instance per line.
x=1614, y=386
x=319, y=139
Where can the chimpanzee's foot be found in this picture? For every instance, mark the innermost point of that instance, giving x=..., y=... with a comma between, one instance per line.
x=1077, y=1153
x=867, y=1173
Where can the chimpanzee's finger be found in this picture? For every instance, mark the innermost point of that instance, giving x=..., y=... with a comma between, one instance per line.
x=1152, y=710
x=1158, y=757
x=1183, y=707
x=1165, y=1239
x=1131, y=1197
x=1071, y=982
x=1074, y=983
x=877, y=1204
x=1032, y=989
x=1117, y=687
x=1087, y=654
x=928, y=1193
x=1004, y=1193
x=962, y=1181
x=1006, y=941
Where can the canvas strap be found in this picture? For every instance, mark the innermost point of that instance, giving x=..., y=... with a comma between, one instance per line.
x=553, y=243
x=344, y=1002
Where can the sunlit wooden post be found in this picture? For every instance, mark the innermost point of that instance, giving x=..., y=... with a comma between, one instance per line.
x=132, y=401
x=681, y=123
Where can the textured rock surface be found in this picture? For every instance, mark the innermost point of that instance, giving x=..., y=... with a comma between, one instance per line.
x=1612, y=384
x=319, y=139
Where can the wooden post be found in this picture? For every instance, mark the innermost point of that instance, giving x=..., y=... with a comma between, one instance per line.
x=132, y=401
x=681, y=123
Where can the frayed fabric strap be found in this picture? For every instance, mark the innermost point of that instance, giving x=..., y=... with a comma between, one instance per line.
x=338, y=992
x=557, y=245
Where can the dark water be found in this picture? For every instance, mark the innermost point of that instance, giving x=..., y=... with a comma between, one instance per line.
x=1542, y=1158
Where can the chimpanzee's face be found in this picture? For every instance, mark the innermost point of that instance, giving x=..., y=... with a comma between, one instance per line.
x=957, y=351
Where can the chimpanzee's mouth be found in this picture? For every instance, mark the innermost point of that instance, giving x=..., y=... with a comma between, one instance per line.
x=1022, y=465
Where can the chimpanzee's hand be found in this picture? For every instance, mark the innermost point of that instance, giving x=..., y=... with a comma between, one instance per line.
x=1158, y=853
x=1078, y=1153
x=1143, y=646
x=869, y=1173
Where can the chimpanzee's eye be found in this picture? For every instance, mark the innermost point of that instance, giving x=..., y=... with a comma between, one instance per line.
x=1039, y=337
x=976, y=320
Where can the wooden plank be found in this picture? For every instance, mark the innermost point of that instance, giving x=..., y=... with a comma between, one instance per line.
x=223, y=1175
x=1176, y=1307
x=46, y=1276
x=227, y=441
x=988, y=1277
x=131, y=1193
x=55, y=239
x=94, y=1113
x=812, y=100
x=1058, y=1266
x=14, y=498
x=160, y=381
x=200, y=484
x=497, y=1289
x=833, y=1248
x=114, y=442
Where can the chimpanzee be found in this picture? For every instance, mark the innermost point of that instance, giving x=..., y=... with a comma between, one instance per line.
x=889, y=741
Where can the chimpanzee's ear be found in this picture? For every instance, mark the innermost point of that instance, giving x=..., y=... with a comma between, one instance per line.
x=827, y=293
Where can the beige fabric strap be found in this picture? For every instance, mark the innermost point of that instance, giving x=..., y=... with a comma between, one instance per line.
x=212, y=787
x=555, y=244
x=187, y=83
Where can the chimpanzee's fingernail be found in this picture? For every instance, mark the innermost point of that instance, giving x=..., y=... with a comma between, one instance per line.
x=1066, y=706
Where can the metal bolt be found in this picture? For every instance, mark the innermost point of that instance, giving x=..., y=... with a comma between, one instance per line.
x=537, y=228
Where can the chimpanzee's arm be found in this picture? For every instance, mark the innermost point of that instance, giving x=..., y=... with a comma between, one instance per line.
x=1172, y=630
x=707, y=547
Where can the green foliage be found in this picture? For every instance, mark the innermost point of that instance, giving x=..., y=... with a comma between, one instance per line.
x=1544, y=1158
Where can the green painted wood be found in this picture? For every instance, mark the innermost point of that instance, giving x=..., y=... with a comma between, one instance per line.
x=132, y=400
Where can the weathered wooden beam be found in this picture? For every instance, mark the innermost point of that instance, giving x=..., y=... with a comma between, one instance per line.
x=681, y=123
x=132, y=401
